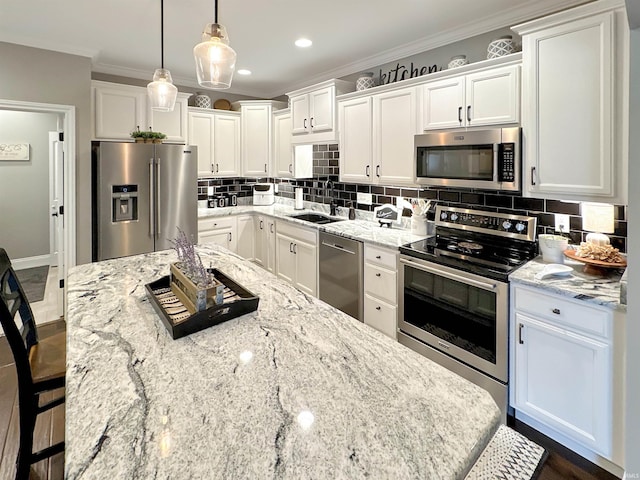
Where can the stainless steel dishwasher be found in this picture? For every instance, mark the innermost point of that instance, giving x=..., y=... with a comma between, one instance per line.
x=341, y=276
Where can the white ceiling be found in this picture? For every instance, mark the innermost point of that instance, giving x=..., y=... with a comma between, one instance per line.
x=123, y=36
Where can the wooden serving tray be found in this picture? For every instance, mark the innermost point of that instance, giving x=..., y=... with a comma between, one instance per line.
x=591, y=265
x=180, y=322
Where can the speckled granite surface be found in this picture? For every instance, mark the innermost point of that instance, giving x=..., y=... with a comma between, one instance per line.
x=601, y=290
x=363, y=228
x=296, y=390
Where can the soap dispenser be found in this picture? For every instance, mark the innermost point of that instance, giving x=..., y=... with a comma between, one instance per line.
x=352, y=211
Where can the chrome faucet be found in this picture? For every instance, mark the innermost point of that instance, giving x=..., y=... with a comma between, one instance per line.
x=328, y=187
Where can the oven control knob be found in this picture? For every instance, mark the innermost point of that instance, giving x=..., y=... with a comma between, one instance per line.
x=454, y=217
x=506, y=224
x=520, y=226
x=443, y=216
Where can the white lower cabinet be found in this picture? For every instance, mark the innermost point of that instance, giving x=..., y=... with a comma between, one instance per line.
x=297, y=256
x=562, y=369
x=380, y=289
x=220, y=231
x=265, y=242
x=245, y=237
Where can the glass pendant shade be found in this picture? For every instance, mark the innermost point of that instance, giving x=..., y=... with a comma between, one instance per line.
x=215, y=59
x=162, y=92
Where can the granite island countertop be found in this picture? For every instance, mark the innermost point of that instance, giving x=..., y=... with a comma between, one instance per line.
x=294, y=390
x=601, y=290
x=364, y=230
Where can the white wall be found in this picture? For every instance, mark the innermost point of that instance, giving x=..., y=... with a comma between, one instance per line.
x=35, y=75
x=24, y=186
x=632, y=337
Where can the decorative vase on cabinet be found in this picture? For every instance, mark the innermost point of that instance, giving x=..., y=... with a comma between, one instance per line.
x=202, y=100
x=365, y=81
x=500, y=47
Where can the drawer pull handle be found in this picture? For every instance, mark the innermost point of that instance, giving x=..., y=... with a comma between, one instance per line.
x=556, y=311
x=378, y=308
x=377, y=274
x=378, y=257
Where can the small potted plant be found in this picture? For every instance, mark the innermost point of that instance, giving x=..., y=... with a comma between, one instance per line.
x=138, y=135
x=158, y=137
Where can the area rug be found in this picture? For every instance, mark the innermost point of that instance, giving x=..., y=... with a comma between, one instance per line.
x=509, y=456
x=33, y=281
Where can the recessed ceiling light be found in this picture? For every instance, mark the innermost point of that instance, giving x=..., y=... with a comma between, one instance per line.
x=303, y=42
x=244, y=71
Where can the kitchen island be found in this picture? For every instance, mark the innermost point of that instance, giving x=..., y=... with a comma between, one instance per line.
x=294, y=390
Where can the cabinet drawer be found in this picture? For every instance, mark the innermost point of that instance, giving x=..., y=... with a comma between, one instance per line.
x=564, y=312
x=215, y=223
x=381, y=256
x=298, y=233
x=380, y=282
x=380, y=315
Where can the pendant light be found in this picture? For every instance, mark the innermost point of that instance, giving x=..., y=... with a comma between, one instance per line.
x=215, y=59
x=161, y=91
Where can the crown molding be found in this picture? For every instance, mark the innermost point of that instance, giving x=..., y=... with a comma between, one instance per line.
x=26, y=41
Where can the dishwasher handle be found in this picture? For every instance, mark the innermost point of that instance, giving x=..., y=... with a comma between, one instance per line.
x=338, y=247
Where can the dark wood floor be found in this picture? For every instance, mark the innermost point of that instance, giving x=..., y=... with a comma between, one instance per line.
x=49, y=425
x=561, y=464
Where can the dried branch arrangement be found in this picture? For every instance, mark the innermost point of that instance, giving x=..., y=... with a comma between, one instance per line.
x=190, y=262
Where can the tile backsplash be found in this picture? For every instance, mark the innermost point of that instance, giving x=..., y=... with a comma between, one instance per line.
x=326, y=160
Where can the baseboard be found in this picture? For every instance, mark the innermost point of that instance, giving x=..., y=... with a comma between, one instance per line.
x=30, y=262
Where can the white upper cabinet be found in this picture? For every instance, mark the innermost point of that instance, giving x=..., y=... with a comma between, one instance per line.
x=256, y=135
x=120, y=109
x=217, y=136
x=395, y=122
x=226, y=143
x=356, y=139
x=201, y=135
x=173, y=124
x=575, y=103
x=488, y=97
x=376, y=137
x=313, y=111
x=282, y=147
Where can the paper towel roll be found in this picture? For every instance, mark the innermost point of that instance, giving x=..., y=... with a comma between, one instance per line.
x=299, y=201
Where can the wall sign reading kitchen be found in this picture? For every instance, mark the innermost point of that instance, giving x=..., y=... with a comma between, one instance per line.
x=401, y=72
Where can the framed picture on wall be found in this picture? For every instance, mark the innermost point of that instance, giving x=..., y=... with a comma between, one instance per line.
x=14, y=151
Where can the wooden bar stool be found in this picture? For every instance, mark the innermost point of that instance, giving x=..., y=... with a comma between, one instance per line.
x=40, y=365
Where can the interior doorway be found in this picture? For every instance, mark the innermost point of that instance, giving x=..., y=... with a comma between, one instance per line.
x=54, y=150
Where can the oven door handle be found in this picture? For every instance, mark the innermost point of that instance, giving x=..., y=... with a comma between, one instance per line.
x=449, y=275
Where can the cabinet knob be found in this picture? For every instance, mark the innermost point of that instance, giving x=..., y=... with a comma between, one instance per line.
x=556, y=311
x=378, y=308
x=377, y=274
x=378, y=257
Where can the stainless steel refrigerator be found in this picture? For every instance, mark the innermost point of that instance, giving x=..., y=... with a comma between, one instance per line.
x=142, y=194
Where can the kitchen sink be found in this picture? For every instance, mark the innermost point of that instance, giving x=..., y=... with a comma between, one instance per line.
x=315, y=218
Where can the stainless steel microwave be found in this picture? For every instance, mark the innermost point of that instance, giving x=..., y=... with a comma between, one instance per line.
x=483, y=159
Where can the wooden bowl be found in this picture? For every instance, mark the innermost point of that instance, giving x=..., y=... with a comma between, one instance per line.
x=222, y=104
x=596, y=267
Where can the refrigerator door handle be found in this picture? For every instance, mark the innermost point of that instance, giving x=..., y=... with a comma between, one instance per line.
x=152, y=192
x=158, y=197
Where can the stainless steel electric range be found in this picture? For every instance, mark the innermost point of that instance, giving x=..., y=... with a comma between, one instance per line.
x=454, y=295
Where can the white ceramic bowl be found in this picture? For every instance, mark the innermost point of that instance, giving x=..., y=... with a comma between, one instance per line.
x=552, y=247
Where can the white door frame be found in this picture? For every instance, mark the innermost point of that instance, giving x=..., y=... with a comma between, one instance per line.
x=68, y=113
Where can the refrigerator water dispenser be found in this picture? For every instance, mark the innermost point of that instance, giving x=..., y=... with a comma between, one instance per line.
x=124, y=203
